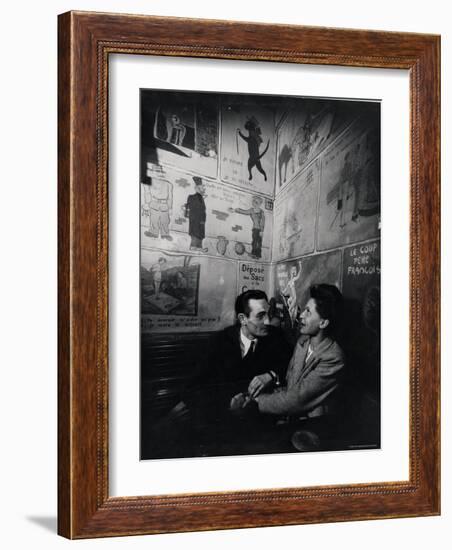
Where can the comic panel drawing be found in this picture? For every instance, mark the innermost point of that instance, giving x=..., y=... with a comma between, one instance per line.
x=253, y=276
x=182, y=293
x=306, y=130
x=248, y=145
x=295, y=215
x=170, y=286
x=197, y=215
x=350, y=187
x=179, y=129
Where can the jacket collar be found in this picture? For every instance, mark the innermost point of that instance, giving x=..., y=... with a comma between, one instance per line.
x=319, y=350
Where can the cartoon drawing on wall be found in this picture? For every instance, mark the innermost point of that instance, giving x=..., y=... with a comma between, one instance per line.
x=157, y=206
x=358, y=183
x=295, y=211
x=257, y=216
x=179, y=129
x=175, y=125
x=156, y=271
x=170, y=285
x=279, y=312
x=293, y=280
x=144, y=200
x=176, y=130
x=366, y=181
x=341, y=192
x=305, y=132
x=254, y=141
x=248, y=144
x=222, y=245
x=290, y=291
x=350, y=188
x=204, y=217
x=195, y=211
x=186, y=292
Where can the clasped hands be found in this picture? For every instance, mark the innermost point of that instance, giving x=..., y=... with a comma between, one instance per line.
x=257, y=385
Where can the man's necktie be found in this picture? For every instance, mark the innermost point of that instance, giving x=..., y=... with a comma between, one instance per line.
x=251, y=349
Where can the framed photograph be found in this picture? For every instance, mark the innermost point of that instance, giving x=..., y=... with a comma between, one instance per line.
x=248, y=275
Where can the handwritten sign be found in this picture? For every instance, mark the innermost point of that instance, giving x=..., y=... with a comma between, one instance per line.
x=361, y=269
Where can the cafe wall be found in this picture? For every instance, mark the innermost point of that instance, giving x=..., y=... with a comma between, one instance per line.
x=198, y=253
x=327, y=223
x=291, y=197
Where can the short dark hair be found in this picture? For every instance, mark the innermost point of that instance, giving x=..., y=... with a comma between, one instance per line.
x=242, y=301
x=329, y=304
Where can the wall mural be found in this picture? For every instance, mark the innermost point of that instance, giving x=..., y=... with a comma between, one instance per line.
x=186, y=293
x=248, y=146
x=180, y=130
x=306, y=130
x=212, y=220
x=190, y=213
x=350, y=188
x=295, y=215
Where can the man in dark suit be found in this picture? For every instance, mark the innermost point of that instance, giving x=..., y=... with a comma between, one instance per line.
x=195, y=211
x=250, y=353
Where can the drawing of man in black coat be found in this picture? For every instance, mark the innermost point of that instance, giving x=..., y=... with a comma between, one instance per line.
x=195, y=211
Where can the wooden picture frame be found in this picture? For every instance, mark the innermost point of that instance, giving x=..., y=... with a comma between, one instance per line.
x=85, y=508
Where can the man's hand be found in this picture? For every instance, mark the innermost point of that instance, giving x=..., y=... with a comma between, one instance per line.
x=240, y=403
x=259, y=383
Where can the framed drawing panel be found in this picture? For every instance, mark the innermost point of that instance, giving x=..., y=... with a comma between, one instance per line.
x=90, y=45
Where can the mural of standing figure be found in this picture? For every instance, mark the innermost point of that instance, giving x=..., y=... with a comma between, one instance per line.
x=342, y=191
x=254, y=141
x=279, y=307
x=195, y=211
x=175, y=129
x=156, y=271
x=158, y=201
x=258, y=217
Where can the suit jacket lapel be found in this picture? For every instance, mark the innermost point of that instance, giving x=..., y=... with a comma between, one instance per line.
x=295, y=370
x=236, y=345
x=313, y=358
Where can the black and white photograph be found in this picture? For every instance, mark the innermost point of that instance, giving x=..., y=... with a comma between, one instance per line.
x=259, y=274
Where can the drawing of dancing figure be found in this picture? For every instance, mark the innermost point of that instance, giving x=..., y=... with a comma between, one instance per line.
x=258, y=217
x=254, y=141
x=291, y=292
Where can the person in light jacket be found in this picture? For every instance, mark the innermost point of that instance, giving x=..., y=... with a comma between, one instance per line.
x=310, y=398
